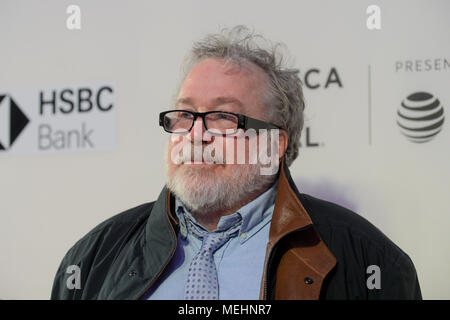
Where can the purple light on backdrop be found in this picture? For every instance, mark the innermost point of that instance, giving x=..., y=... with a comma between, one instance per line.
x=329, y=190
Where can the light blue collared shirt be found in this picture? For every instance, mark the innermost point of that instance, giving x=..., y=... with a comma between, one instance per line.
x=239, y=262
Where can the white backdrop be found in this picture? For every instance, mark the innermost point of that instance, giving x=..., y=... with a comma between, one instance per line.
x=354, y=154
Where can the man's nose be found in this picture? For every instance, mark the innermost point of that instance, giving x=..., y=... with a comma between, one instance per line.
x=198, y=131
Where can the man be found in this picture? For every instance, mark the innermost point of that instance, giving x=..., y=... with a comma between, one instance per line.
x=226, y=226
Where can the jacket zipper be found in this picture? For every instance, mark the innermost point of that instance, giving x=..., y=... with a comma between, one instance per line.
x=267, y=270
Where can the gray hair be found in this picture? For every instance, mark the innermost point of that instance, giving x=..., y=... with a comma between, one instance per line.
x=284, y=100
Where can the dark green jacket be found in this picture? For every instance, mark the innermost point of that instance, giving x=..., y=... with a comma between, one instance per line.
x=316, y=250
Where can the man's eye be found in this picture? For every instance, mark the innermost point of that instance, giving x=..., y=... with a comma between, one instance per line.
x=184, y=115
x=223, y=116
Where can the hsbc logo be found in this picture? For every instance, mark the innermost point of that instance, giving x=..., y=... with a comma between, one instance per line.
x=73, y=118
x=12, y=122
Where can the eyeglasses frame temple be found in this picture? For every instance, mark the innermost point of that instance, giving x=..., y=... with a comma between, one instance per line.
x=252, y=123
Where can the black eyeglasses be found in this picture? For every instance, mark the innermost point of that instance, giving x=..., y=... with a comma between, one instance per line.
x=215, y=122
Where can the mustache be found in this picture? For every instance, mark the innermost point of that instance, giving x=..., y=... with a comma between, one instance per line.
x=198, y=153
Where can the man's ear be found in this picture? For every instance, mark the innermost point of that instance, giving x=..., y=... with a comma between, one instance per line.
x=282, y=143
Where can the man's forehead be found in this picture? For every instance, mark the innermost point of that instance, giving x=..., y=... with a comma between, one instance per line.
x=217, y=82
x=216, y=101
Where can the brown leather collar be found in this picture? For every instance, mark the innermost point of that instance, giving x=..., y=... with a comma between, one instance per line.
x=304, y=260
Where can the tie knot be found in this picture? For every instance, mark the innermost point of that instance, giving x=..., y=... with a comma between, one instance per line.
x=213, y=241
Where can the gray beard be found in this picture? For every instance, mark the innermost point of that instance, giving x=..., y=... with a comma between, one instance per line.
x=202, y=191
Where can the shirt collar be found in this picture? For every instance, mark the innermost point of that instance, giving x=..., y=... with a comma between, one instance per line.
x=252, y=215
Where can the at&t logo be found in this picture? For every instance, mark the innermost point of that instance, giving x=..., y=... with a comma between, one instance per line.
x=420, y=117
